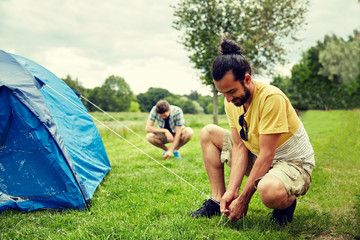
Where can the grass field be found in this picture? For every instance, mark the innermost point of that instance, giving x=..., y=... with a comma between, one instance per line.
x=140, y=199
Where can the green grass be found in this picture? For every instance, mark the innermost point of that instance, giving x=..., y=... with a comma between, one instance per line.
x=139, y=199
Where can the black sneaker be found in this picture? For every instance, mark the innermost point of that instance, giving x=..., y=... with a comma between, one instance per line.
x=282, y=217
x=208, y=209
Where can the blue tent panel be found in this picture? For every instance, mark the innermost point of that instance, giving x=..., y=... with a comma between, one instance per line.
x=73, y=120
x=51, y=154
x=32, y=167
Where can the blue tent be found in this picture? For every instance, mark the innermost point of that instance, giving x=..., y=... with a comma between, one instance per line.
x=51, y=154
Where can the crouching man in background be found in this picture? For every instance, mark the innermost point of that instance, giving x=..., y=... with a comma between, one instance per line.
x=171, y=128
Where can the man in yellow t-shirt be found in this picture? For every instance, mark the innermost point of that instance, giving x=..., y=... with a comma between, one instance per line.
x=267, y=142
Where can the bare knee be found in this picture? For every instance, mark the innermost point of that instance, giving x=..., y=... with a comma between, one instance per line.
x=207, y=132
x=186, y=134
x=150, y=137
x=272, y=192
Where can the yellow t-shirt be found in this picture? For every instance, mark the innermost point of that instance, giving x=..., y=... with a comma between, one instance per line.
x=270, y=111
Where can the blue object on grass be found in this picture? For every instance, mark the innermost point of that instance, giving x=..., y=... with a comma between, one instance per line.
x=51, y=153
x=176, y=154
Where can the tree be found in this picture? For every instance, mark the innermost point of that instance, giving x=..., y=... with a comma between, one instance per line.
x=134, y=107
x=98, y=98
x=204, y=102
x=262, y=27
x=120, y=93
x=339, y=58
x=327, y=76
x=75, y=85
x=114, y=95
x=186, y=105
x=151, y=97
x=221, y=107
x=194, y=95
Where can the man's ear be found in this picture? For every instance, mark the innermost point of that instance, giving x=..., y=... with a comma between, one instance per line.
x=247, y=79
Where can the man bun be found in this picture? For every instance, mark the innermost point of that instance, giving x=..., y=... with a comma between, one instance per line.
x=228, y=46
x=230, y=58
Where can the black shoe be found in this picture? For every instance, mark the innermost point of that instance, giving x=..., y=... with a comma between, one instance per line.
x=282, y=217
x=208, y=209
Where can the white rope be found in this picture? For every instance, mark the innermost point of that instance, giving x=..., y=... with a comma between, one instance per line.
x=127, y=141
x=222, y=215
x=81, y=96
x=220, y=219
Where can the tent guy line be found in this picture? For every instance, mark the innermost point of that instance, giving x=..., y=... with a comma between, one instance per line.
x=222, y=215
x=81, y=96
x=126, y=139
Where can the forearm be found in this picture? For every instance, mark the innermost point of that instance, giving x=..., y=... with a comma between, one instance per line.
x=152, y=129
x=267, y=144
x=260, y=168
x=239, y=163
x=176, y=141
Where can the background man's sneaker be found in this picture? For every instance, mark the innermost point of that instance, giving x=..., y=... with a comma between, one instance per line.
x=282, y=217
x=208, y=209
x=176, y=154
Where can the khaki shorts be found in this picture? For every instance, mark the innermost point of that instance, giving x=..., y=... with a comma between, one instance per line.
x=295, y=178
x=185, y=133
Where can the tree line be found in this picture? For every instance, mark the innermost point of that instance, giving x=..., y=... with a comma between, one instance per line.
x=327, y=76
x=115, y=95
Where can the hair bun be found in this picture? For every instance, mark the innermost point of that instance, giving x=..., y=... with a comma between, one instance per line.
x=230, y=47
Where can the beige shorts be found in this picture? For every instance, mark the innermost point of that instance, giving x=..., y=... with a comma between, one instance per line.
x=295, y=178
x=186, y=133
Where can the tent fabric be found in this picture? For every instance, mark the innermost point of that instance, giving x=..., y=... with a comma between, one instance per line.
x=51, y=154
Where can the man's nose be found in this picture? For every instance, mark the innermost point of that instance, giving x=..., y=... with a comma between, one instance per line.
x=228, y=97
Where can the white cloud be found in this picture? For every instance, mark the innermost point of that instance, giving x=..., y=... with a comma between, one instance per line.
x=161, y=73
x=91, y=40
x=64, y=60
x=140, y=74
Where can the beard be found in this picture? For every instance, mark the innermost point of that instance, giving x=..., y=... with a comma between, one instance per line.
x=239, y=101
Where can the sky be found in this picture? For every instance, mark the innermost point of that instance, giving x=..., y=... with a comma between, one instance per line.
x=92, y=40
